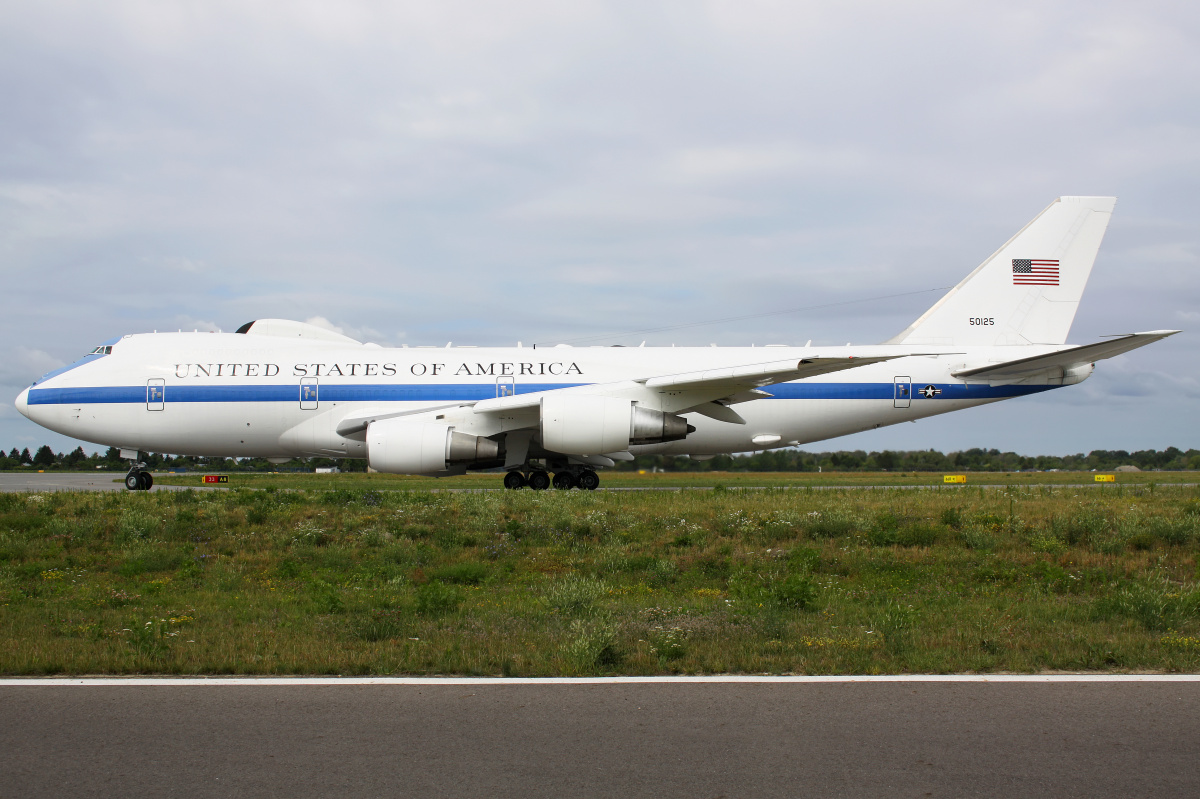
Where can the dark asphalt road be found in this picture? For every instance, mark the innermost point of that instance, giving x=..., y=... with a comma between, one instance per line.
x=68, y=481
x=895, y=739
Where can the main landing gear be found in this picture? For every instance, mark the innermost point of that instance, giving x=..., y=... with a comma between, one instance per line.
x=137, y=480
x=564, y=479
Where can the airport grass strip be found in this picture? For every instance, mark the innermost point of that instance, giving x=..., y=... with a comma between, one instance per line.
x=552, y=584
x=624, y=479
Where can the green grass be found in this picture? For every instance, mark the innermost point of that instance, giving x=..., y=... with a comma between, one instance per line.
x=617, y=479
x=357, y=580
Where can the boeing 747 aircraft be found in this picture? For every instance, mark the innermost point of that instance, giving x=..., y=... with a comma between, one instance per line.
x=279, y=389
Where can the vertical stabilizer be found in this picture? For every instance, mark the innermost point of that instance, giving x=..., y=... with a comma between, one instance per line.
x=1028, y=291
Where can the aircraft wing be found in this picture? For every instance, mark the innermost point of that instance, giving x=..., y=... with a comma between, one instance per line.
x=355, y=424
x=688, y=389
x=1064, y=359
x=740, y=378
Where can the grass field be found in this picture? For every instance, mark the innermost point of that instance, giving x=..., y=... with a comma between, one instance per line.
x=366, y=581
x=389, y=482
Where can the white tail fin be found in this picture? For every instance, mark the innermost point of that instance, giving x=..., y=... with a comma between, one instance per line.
x=1028, y=291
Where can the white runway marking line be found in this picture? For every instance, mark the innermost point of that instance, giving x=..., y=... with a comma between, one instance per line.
x=484, y=681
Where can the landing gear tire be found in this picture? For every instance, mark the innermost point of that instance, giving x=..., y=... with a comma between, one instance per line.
x=564, y=481
x=588, y=480
x=139, y=481
x=514, y=480
x=539, y=481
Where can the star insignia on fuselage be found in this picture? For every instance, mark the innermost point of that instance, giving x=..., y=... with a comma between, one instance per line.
x=930, y=391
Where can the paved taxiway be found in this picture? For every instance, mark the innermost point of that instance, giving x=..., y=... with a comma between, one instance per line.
x=922, y=738
x=104, y=481
x=67, y=481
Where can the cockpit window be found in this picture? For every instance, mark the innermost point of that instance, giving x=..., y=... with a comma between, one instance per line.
x=105, y=350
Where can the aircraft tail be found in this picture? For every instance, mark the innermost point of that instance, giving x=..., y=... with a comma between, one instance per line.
x=1027, y=292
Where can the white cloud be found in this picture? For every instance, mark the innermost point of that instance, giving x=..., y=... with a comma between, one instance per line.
x=771, y=162
x=363, y=334
x=22, y=365
x=186, y=323
x=544, y=171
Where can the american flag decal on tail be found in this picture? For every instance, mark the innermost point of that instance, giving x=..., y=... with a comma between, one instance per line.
x=1034, y=272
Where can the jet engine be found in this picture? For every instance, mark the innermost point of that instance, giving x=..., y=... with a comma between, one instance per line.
x=590, y=425
x=405, y=447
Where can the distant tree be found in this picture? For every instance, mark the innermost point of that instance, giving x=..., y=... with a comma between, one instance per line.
x=848, y=460
x=15, y=455
x=26, y=457
x=44, y=456
x=75, y=459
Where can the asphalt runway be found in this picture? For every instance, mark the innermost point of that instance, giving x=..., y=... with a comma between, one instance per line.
x=104, y=481
x=67, y=481
x=628, y=739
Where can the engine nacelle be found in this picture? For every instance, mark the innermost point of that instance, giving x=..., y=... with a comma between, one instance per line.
x=575, y=424
x=1077, y=374
x=399, y=446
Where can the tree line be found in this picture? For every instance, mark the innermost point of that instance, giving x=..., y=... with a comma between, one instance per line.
x=971, y=460
x=780, y=460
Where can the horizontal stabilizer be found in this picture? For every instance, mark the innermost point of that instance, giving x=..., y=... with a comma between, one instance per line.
x=1064, y=359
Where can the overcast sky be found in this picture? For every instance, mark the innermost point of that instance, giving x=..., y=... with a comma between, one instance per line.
x=491, y=172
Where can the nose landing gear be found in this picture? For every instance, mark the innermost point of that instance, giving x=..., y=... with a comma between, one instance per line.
x=138, y=479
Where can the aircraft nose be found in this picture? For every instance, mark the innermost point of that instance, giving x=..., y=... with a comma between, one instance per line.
x=22, y=403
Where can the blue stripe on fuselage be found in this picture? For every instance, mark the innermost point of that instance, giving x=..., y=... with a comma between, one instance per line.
x=459, y=392
x=886, y=391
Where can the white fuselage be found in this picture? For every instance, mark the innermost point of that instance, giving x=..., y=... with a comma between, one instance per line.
x=225, y=394
x=279, y=389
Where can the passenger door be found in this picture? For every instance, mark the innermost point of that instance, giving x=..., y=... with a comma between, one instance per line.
x=156, y=394
x=308, y=393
